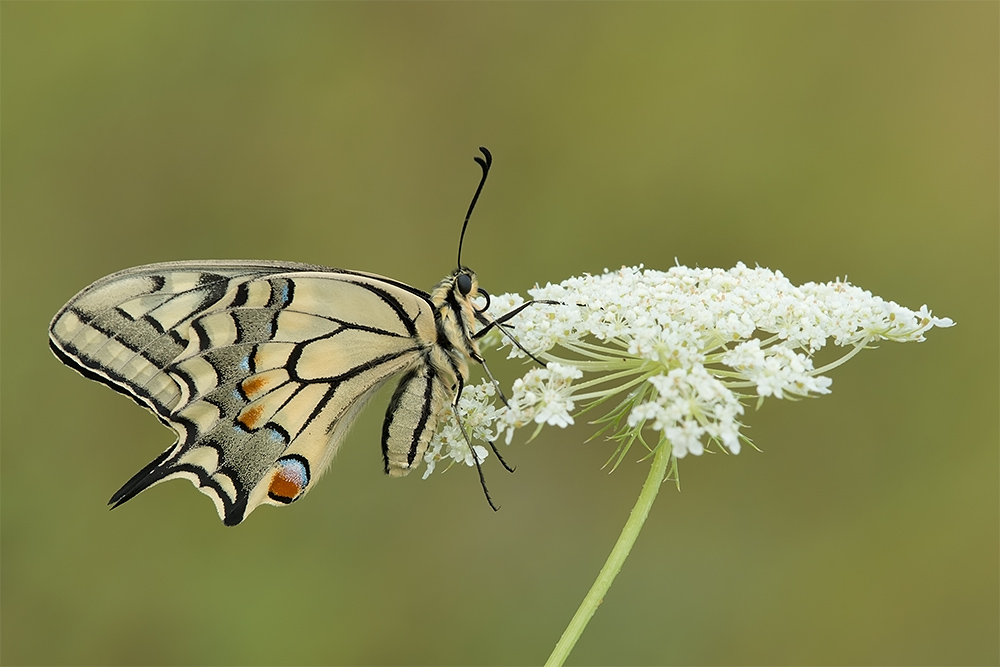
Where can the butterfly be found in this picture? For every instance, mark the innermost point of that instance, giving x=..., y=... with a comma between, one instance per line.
x=260, y=367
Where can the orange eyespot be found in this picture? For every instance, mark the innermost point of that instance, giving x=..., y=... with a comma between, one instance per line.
x=290, y=479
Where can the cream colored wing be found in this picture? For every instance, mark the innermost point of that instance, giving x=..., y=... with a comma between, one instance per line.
x=260, y=367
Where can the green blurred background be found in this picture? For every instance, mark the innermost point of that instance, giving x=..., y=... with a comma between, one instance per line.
x=823, y=140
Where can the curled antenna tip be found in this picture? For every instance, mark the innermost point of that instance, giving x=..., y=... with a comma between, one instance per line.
x=485, y=164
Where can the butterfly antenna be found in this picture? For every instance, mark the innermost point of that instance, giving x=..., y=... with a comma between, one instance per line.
x=485, y=164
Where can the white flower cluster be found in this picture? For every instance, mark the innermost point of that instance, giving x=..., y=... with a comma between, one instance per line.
x=690, y=404
x=675, y=347
x=478, y=416
x=542, y=396
x=776, y=370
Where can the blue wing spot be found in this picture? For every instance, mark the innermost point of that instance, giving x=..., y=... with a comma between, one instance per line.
x=278, y=434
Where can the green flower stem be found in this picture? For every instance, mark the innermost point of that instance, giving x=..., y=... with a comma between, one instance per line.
x=657, y=473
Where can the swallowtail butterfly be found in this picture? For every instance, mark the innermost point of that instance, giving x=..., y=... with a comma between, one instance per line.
x=260, y=367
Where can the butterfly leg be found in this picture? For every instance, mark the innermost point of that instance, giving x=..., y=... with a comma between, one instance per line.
x=475, y=457
x=506, y=467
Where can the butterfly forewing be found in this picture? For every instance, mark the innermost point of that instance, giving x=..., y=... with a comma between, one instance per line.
x=260, y=367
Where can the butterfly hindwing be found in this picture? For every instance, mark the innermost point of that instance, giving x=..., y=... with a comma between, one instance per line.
x=259, y=367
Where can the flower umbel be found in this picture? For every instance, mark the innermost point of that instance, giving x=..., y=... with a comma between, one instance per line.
x=679, y=352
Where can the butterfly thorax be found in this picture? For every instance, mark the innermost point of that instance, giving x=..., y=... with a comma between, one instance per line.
x=455, y=318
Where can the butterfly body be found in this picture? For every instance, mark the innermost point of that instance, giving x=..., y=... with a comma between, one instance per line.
x=261, y=367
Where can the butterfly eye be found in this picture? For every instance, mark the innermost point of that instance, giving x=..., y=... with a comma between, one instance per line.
x=464, y=282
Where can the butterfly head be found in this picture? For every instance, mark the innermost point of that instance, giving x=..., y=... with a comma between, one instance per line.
x=465, y=288
x=461, y=291
x=459, y=302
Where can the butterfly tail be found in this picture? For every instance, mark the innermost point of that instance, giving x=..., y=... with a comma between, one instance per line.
x=139, y=482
